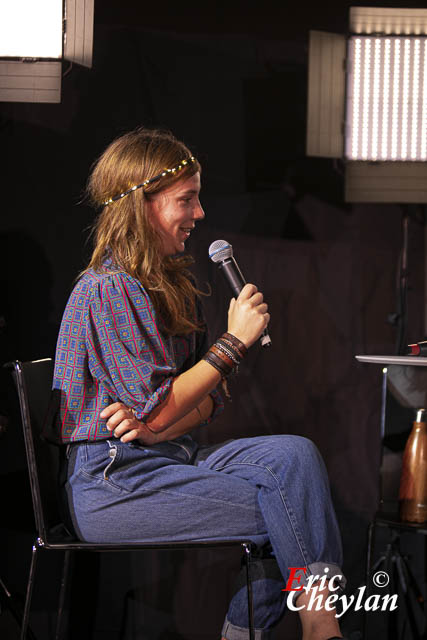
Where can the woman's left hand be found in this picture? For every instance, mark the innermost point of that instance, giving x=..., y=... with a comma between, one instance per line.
x=123, y=424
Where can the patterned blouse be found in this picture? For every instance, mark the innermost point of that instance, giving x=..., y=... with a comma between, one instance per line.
x=111, y=348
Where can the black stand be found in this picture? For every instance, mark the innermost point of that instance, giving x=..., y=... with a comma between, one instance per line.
x=408, y=383
x=402, y=581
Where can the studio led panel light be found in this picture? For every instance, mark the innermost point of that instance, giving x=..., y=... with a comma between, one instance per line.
x=35, y=38
x=368, y=106
x=387, y=99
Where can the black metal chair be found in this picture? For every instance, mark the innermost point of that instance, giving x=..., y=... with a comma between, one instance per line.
x=33, y=382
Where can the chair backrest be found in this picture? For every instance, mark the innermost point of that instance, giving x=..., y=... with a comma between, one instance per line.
x=33, y=381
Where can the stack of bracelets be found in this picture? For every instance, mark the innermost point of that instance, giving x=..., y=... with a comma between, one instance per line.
x=225, y=356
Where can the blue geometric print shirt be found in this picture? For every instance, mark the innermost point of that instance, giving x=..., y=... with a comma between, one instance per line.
x=110, y=348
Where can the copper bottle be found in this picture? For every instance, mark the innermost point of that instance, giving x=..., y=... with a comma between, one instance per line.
x=413, y=481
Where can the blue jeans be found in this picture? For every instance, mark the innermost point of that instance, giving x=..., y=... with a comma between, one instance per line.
x=272, y=490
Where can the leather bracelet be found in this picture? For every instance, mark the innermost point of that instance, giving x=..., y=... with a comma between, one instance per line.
x=213, y=364
x=222, y=363
x=226, y=367
x=223, y=355
x=229, y=350
x=219, y=364
x=236, y=342
x=228, y=344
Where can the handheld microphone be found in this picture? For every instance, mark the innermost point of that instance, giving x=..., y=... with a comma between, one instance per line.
x=221, y=252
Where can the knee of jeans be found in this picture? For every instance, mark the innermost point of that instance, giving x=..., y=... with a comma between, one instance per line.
x=305, y=451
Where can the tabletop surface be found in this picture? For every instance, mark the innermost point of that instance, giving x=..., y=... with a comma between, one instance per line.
x=402, y=360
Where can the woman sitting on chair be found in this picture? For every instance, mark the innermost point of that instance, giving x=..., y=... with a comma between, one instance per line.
x=137, y=374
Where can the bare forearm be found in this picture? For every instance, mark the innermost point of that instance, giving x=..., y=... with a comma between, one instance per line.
x=189, y=390
x=196, y=416
x=173, y=417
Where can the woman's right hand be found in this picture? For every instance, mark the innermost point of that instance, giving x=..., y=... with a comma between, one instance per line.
x=247, y=315
x=123, y=424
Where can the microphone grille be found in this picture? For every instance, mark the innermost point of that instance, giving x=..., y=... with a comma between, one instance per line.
x=220, y=250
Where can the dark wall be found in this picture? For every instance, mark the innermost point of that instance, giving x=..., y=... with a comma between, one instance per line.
x=231, y=81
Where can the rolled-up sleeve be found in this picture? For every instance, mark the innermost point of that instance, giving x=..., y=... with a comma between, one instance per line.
x=218, y=407
x=127, y=353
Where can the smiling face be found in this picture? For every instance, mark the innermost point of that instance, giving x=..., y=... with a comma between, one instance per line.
x=174, y=212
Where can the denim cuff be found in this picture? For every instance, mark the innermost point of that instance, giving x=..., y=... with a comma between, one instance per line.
x=319, y=569
x=231, y=632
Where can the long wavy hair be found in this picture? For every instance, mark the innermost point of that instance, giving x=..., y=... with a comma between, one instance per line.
x=124, y=232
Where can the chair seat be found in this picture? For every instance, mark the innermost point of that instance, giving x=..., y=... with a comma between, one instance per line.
x=65, y=541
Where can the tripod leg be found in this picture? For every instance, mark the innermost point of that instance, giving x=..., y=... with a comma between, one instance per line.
x=369, y=556
x=390, y=568
x=403, y=573
x=412, y=583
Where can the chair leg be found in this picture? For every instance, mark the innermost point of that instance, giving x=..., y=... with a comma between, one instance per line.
x=63, y=592
x=29, y=594
x=247, y=556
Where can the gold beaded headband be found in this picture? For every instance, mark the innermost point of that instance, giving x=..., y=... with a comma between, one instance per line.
x=164, y=173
